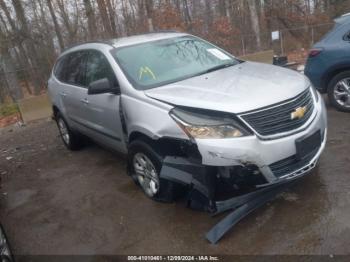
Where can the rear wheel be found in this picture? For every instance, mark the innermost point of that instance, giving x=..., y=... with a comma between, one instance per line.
x=339, y=91
x=144, y=164
x=72, y=140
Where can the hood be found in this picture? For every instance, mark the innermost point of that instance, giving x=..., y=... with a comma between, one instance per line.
x=235, y=89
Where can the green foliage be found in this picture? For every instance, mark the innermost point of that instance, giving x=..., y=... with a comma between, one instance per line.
x=8, y=109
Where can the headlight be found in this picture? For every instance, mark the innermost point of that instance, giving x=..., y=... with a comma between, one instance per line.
x=314, y=93
x=207, y=125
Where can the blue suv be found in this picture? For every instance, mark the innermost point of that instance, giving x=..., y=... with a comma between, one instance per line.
x=328, y=64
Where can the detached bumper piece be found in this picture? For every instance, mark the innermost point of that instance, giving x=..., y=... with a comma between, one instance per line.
x=202, y=182
x=242, y=205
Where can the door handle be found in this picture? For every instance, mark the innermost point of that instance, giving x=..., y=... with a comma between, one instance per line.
x=84, y=101
x=64, y=94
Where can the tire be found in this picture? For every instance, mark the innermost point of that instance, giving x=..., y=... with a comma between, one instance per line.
x=337, y=93
x=142, y=155
x=72, y=140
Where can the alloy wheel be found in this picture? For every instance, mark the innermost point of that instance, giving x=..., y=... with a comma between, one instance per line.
x=342, y=92
x=146, y=174
x=63, y=131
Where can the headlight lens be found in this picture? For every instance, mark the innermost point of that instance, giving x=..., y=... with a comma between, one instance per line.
x=207, y=125
x=224, y=131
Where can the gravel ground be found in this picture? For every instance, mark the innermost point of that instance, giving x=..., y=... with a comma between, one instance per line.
x=54, y=201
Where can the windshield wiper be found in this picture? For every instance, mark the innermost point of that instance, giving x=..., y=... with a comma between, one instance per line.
x=218, y=67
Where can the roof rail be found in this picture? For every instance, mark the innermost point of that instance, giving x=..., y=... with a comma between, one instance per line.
x=87, y=42
x=164, y=31
x=345, y=18
x=110, y=41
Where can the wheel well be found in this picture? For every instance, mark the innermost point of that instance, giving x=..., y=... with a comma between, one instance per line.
x=168, y=145
x=332, y=74
x=55, y=111
x=138, y=135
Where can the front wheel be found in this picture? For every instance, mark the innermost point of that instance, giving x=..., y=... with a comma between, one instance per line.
x=144, y=165
x=339, y=91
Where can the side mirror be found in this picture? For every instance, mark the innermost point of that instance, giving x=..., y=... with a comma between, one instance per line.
x=102, y=86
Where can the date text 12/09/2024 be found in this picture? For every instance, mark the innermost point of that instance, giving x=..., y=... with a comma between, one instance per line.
x=173, y=258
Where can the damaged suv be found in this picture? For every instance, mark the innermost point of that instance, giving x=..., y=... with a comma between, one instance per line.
x=188, y=114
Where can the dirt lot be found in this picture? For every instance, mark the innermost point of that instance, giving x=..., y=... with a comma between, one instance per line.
x=57, y=202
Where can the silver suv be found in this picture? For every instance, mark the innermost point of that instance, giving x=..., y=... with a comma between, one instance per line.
x=188, y=114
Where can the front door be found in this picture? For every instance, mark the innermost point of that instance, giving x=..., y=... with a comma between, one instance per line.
x=103, y=109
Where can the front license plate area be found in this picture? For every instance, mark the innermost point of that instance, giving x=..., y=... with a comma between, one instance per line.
x=307, y=145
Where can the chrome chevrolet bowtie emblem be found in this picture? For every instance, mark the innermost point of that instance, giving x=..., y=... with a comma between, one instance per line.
x=298, y=113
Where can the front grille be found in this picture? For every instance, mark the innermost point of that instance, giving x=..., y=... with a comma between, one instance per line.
x=291, y=164
x=277, y=119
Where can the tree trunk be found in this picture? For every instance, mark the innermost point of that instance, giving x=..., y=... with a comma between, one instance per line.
x=111, y=18
x=57, y=28
x=8, y=70
x=90, y=14
x=222, y=8
x=208, y=14
x=149, y=13
x=196, y=6
x=25, y=32
x=69, y=21
x=255, y=22
x=104, y=17
x=187, y=15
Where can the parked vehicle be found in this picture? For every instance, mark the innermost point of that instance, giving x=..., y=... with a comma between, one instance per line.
x=5, y=251
x=328, y=64
x=174, y=100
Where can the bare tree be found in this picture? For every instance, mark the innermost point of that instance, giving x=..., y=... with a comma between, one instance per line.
x=149, y=11
x=255, y=22
x=112, y=14
x=57, y=27
x=70, y=20
x=89, y=11
x=33, y=32
x=208, y=14
x=104, y=17
x=187, y=15
x=8, y=70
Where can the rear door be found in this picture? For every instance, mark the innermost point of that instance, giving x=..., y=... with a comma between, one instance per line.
x=103, y=116
x=74, y=89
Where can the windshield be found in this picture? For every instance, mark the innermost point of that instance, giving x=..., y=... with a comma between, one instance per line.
x=161, y=62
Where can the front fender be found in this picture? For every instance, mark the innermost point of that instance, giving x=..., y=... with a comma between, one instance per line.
x=150, y=117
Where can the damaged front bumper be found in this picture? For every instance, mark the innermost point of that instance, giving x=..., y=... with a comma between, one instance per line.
x=276, y=161
x=275, y=158
x=202, y=184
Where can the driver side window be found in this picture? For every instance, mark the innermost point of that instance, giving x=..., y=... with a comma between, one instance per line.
x=98, y=67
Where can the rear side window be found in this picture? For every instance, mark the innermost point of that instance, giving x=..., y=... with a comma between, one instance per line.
x=98, y=68
x=75, y=68
x=59, y=70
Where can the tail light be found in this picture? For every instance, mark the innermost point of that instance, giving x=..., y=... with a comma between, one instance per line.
x=314, y=52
